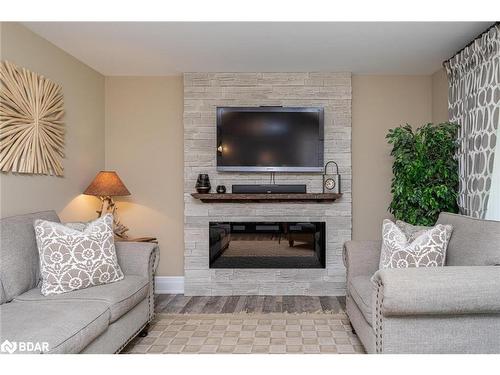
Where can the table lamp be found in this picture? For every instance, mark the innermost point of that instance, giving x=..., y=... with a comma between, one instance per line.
x=107, y=185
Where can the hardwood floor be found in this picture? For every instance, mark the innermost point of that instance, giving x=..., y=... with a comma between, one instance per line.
x=180, y=304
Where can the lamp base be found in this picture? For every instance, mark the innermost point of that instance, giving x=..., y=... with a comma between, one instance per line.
x=109, y=206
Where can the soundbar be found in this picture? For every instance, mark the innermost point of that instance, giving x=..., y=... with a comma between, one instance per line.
x=269, y=189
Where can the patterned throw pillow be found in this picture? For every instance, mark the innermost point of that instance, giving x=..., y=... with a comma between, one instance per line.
x=72, y=259
x=411, y=231
x=427, y=248
x=78, y=225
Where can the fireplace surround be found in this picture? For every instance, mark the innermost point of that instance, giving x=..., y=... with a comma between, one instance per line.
x=203, y=92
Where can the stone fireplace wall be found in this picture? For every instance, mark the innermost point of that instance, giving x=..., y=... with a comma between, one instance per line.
x=203, y=92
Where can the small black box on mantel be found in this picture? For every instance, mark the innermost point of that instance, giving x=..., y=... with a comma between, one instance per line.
x=269, y=189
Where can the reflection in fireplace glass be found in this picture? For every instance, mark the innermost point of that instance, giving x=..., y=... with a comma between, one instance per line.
x=267, y=244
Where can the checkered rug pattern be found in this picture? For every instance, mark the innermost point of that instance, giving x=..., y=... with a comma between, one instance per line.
x=248, y=333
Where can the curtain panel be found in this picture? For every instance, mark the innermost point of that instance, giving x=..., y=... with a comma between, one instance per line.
x=493, y=210
x=474, y=103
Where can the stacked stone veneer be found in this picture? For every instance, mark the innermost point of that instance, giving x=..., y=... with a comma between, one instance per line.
x=203, y=92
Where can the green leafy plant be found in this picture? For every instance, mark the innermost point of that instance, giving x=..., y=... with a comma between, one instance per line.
x=425, y=172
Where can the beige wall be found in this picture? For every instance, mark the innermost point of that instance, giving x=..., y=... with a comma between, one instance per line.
x=380, y=103
x=144, y=144
x=1, y=53
x=439, y=96
x=83, y=91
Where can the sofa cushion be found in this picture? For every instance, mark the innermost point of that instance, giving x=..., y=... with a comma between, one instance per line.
x=474, y=242
x=361, y=290
x=19, y=268
x=120, y=296
x=65, y=326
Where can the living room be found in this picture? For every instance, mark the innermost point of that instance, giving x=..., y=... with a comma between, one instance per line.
x=279, y=188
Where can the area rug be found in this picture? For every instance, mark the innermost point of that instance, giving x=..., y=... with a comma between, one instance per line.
x=244, y=333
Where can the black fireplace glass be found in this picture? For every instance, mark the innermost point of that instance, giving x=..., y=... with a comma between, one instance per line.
x=267, y=244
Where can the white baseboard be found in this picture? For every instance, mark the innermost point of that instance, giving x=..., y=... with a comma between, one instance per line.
x=169, y=284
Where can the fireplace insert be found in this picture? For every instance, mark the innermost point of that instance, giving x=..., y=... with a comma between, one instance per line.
x=267, y=244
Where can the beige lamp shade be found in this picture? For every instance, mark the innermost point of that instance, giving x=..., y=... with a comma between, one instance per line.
x=107, y=184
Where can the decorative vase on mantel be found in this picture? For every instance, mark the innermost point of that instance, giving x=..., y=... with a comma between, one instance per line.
x=203, y=184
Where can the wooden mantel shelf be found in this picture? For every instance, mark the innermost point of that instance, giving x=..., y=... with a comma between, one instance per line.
x=268, y=198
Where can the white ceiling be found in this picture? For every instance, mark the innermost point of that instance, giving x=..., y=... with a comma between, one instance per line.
x=165, y=48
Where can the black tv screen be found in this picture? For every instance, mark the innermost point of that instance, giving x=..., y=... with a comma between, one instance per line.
x=274, y=139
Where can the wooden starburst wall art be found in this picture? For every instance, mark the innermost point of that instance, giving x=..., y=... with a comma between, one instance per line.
x=31, y=126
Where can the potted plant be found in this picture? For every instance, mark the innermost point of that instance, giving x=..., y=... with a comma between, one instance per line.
x=425, y=172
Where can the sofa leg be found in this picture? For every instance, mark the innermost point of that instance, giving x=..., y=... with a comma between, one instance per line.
x=144, y=331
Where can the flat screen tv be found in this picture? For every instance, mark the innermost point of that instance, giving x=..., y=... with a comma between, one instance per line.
x=270, y=139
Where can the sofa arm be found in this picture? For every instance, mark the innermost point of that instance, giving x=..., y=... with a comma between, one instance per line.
x=137, y=258
x=140, y=258
x=438, y=290
x=361, y=257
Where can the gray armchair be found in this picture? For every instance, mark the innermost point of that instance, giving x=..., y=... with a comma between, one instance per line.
x=451, y=309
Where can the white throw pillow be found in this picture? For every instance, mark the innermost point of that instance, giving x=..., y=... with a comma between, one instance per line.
x=72, y=259
x=421, y=248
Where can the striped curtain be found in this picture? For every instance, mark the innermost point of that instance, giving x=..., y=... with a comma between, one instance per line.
x=474, y=103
